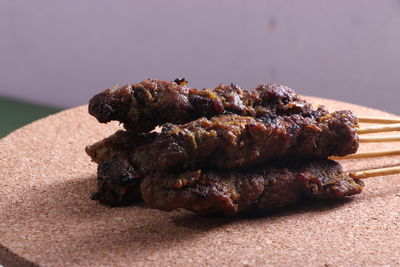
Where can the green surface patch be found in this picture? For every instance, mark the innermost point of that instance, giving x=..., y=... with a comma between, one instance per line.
x=15, y=114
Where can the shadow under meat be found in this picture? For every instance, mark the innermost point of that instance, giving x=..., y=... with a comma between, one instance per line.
x=195, y=221
x=73, y=198
x=136, y=228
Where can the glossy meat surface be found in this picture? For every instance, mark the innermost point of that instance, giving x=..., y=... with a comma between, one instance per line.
x=257, y=191
x=223, y=151
x=232, y=141
x=142, y=106
x=118, y=183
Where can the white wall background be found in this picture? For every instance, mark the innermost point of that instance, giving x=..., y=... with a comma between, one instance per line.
x=62, y=52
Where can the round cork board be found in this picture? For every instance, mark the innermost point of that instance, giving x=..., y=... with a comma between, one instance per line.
x=48, y=219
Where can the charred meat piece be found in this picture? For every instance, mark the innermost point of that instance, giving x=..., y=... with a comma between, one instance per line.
x=226, y=141
x=229, y=192
x=232, y=141
x=118, y=183
x=121, y=142
x=260, y=191
x=142, y=106
x=199, y=161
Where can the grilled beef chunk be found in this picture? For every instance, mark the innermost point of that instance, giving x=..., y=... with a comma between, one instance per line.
x=227, y=192
x=232, y=141
x=118, y=183
x=142, y=106
x=209, y=139
x=256, y=191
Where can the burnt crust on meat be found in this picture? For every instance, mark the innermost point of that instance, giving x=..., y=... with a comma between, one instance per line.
x=224, y=151
x=232, y=141
x=143, y=106
x=258, y=191
x=118, y=183
x=226, y=141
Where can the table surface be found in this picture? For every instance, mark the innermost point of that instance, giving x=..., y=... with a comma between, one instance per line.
x=47, y=218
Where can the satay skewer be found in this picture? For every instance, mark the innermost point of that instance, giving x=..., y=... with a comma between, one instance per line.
x=380, y=120
x=380, y=153
x=373, y=139
x=379, y=128
x=375, y=172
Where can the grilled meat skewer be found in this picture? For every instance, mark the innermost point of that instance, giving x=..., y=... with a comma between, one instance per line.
x=209, y=139
x=143, y=106
x=257, y=191
x=232, y=141
x=119, y=181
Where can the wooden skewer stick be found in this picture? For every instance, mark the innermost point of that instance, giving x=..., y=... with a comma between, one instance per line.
x=375, y=172
x=370, y=139
x=379, y=129
x=371, y=154
x=378, y=120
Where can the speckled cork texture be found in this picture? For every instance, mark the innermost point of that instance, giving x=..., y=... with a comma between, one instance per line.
x=48, y=219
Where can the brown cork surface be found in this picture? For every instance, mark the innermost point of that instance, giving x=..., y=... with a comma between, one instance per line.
x=47, y=218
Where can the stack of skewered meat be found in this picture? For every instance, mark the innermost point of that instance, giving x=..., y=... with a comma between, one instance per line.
x=222, y=151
